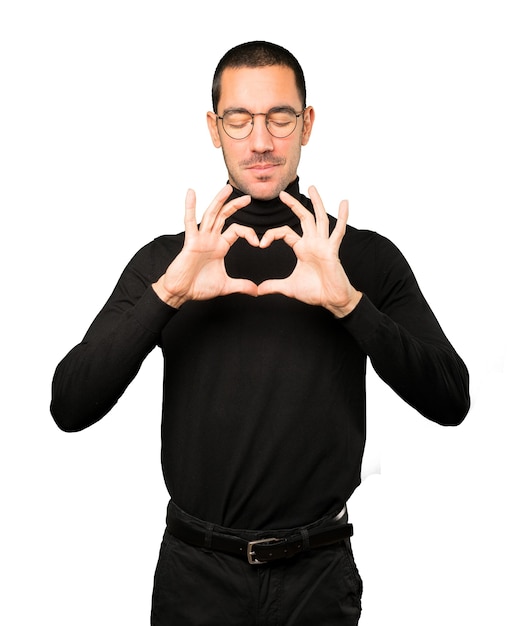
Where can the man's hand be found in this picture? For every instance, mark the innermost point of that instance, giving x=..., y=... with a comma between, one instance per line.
x=198, y=272
x=318, y=278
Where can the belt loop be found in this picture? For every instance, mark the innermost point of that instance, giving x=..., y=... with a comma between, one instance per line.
x=305, y=539
x=208, y=536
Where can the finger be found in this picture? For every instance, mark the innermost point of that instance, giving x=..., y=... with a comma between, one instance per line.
x=236, y=231
x=219, y=210
x=274, y=285
x=241, y=285
x=306, y=218
x=229, y=209
x=282, y=232
x=322, y=220
x=190, y=213
x=340, y=229
x=209, y=216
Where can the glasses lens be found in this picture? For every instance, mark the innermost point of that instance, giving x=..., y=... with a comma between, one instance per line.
x=281, y=122
x=238, y=124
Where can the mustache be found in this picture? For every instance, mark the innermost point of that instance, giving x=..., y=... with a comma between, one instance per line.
x=262, y=159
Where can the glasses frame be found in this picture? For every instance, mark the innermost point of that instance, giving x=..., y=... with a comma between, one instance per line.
x=252, y=124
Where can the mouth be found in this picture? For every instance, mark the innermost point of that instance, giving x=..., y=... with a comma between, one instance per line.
x=263, y=170
x=263, y=167
x=262, y=164
x=262, y=173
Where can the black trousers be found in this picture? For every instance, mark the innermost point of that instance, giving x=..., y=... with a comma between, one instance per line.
x=199, y=587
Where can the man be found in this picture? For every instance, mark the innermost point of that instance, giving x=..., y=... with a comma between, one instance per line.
x=266, y=313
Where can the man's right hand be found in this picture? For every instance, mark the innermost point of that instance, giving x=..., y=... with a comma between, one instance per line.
x=198, y=272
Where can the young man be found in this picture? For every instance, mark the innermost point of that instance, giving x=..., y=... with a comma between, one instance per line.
x=266, y=313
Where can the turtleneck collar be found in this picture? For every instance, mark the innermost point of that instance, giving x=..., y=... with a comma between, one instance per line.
x=265, y=214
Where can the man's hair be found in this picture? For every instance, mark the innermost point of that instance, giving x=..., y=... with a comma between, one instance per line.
x=257, y=54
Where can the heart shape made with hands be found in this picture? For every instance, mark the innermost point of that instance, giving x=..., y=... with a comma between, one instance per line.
x=277, y=261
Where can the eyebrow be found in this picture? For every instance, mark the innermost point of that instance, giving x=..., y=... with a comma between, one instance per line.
x=235, y=110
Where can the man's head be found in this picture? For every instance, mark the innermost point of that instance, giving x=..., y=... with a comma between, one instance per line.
x=261, y=152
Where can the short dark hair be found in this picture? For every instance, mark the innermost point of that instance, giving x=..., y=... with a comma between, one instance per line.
x=257, y=54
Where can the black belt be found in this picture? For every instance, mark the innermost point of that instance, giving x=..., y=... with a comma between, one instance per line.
x=264, y=550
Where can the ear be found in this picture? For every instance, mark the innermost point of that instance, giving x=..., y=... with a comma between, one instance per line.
x=213, y=128
x=308, y=121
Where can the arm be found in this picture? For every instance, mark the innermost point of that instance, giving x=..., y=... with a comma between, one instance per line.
x=92, y=377
x=409, y=351
x=94, y=374
x=400, y=335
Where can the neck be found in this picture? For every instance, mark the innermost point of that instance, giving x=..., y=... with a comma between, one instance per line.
x=264, y=214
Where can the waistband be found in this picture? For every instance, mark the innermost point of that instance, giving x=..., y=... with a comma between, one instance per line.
x=258, y=546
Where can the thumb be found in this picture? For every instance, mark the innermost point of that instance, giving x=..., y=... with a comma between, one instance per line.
x=274, y=285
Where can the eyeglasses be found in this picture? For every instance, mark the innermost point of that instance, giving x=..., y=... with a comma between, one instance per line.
x=280, y=122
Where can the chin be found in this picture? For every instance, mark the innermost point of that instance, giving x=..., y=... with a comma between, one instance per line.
x=264, y=191
x=264, y=196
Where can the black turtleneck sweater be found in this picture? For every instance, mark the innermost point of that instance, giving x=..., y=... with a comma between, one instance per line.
x=264, y=398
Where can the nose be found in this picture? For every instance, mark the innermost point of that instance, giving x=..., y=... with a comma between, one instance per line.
x=260, y=138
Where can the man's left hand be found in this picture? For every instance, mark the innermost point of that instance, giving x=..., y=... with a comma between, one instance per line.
x=318, y=277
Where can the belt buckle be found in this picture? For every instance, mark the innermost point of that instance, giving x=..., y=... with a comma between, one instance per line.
x=252, y=560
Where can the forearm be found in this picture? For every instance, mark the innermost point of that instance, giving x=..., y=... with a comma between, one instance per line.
x=91, y=378
x=426, y=372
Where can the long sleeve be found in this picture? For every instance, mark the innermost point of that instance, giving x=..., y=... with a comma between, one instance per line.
x=94, y=374
x=269, y=379
x=394, y=325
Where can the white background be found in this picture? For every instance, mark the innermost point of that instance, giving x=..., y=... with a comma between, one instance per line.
x=102, y=131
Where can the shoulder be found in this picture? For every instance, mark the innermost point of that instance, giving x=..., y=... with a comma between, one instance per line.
x=364, y=243
x=373, y=262
x=152, y=259
x=164, y=245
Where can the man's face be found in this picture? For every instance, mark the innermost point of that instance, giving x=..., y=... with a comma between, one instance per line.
x=260, y=165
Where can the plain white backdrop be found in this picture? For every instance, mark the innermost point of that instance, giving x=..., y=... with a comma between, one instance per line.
x=103, y=130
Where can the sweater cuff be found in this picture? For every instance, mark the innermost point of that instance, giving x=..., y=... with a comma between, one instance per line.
x=152, y=312
x=364, y=320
